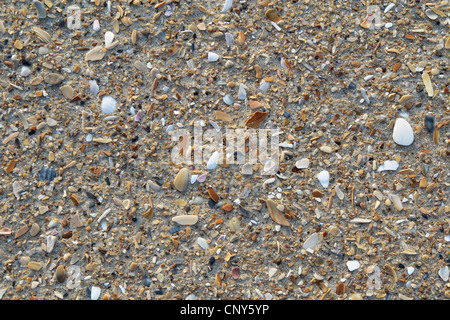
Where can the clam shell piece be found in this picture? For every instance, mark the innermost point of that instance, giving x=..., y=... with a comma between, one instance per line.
x=403, y=133
x=95, y=54
x=273, y=15
x=185, y=219
x=324, y=178
x=181, y=180
x=428, y=85
x=227, y=5
x=275, y=213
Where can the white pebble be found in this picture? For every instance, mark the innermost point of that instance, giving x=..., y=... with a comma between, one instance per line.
x=444, y=273
x=410, y=270
x=96, y=25
x=302, y=163
x=202, y=243
x=93, y=87
x=227, y=5
x=388, y=165
x=25, y=71
x=212, y=162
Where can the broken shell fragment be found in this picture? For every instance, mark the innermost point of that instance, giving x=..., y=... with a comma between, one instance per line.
x=273, y=15
x=186, y=219
x=181, y=180
x=275, y=213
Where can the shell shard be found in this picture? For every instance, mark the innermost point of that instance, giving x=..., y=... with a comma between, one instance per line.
x=403, y=133
x=47, y=174
x=181, y=180
x=227, y=5
x=275, y=213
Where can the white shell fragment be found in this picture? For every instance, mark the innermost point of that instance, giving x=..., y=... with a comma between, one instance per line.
x=93, y=87
x=185, y=219
x=212, y=162
x=213, y=56
x=242, y=94
x=109, y=38
x=352, y=265
x=202, y=243
x=403, y=133
x=95, y=293
x=108, y=104
x=302, y=163
x=227, y=5
x=312, y=241
x=444, y=273
x=324, y=178
x=96, y=25
x=388, y=165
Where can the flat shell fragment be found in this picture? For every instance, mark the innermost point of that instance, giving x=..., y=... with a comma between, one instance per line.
x=275, y=213
x=352, y=265
x=53, y=78
x=95, y=54
x=428, y=85
x=273, y=15
x=42, y=34
x=256, y=119
x=312, y=241
x=181, y=180
x=186, y=219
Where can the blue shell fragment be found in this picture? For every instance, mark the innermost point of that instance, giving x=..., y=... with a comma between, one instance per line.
x=174, y=229
x=47, y=174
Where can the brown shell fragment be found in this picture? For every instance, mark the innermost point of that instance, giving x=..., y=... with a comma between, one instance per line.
x=256, y=119
x=276, y=214
x=212, y=193
x=273, y=15
x=181, y=180
x=42, y=34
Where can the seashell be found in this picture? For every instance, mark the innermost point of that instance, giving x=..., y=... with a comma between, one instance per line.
x=181, y=180
x=174, y=229
x=213, y=56
x=228, y=99
x=388, y=165
x=213, y=160
x=302, y=163
x=60, y=274
x=95, y=292
x=51, y=241
x=108, y=105
x=352, y=265
x=227, y=5
x=202, y=177
x=186, y=219
x=93, y=87
x=256, y=119
x=95, y=54
x=235, y=272
x=42, y=34
x=53, y=78
x=212, y=193
x=339, y=192
x=202, y=243
x=431, y=14
x=403, y=133
x=229, y=39
x=25, y=71
x=40, y=8
x=109, y=38
x=427, y=82
x=324, y=178
x=242, y=94
x=247, y=169
x=275, y=213
x=312, y=241
x=429, y=123
x=67, y=91
x=47, y=174
x=396, y=202
x=444, y=273
x=273, y=15
x=96, y=25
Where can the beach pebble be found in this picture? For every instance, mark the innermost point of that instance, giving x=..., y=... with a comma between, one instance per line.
x=95, y=292
x=311, y=242
x=302, y=163
x=213, y=160
x=403, y=133
x=212, y=57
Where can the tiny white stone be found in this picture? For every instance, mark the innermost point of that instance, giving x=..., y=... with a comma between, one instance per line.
x=352, y=265
x=194, y=178
x=410, y=270
x=272, y=272
x=388, y=25
x=247, y=169
x=228, y=99
x=109, y=37
x=95, y=293
x=213, y=56
x=108, y=105
x=324, y=178
x=403, y=133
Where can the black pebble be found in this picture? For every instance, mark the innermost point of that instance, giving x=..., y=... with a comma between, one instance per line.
x=351, y=86
x=429, y=123
x=211, y=261
x=211, y=203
